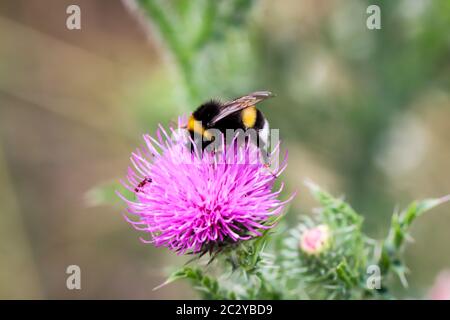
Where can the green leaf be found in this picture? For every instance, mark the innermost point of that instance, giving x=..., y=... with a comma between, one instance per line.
x=401, y=224
x=185, y=272
x=416, y=209
x=345, y=274
x=336, y=211
x=391, y=256
x=258, y=246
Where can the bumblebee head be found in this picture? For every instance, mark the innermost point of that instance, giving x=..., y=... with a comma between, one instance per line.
x=198, y=121
x=207, y=111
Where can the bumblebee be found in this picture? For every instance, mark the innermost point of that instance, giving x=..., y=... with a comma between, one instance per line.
x=240, y=113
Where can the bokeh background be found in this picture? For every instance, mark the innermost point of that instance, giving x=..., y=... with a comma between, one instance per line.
x=364, y=113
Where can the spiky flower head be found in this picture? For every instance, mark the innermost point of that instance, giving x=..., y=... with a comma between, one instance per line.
x=198, y=201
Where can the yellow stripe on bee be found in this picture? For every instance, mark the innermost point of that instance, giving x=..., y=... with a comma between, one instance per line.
x=249, y=117
x=197, y=127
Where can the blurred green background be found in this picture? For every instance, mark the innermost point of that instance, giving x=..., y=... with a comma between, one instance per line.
x=364, y=113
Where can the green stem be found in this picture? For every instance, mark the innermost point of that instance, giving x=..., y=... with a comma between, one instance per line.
x=181, y=54
x=209, y=16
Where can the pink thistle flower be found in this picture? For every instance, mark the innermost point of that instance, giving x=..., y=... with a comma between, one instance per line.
x=197, y=203
x=315, y=240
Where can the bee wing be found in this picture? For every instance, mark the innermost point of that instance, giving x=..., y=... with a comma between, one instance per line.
x=240, y=103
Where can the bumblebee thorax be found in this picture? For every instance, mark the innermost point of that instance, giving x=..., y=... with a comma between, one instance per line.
x=206, y=112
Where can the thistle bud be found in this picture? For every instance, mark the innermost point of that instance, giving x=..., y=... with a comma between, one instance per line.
x=315, y=240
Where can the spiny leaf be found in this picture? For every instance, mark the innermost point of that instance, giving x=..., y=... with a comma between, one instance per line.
x=416, y=209
x=184, y=272
x=334, y=209
x=345, y=274
x=391, y=257
x=401, y=223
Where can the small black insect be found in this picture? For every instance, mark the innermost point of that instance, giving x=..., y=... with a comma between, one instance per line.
x=142, y=184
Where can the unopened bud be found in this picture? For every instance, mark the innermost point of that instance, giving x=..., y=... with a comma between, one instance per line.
x=315, y=240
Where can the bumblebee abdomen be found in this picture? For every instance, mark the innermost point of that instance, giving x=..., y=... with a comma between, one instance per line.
x=249, y=116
